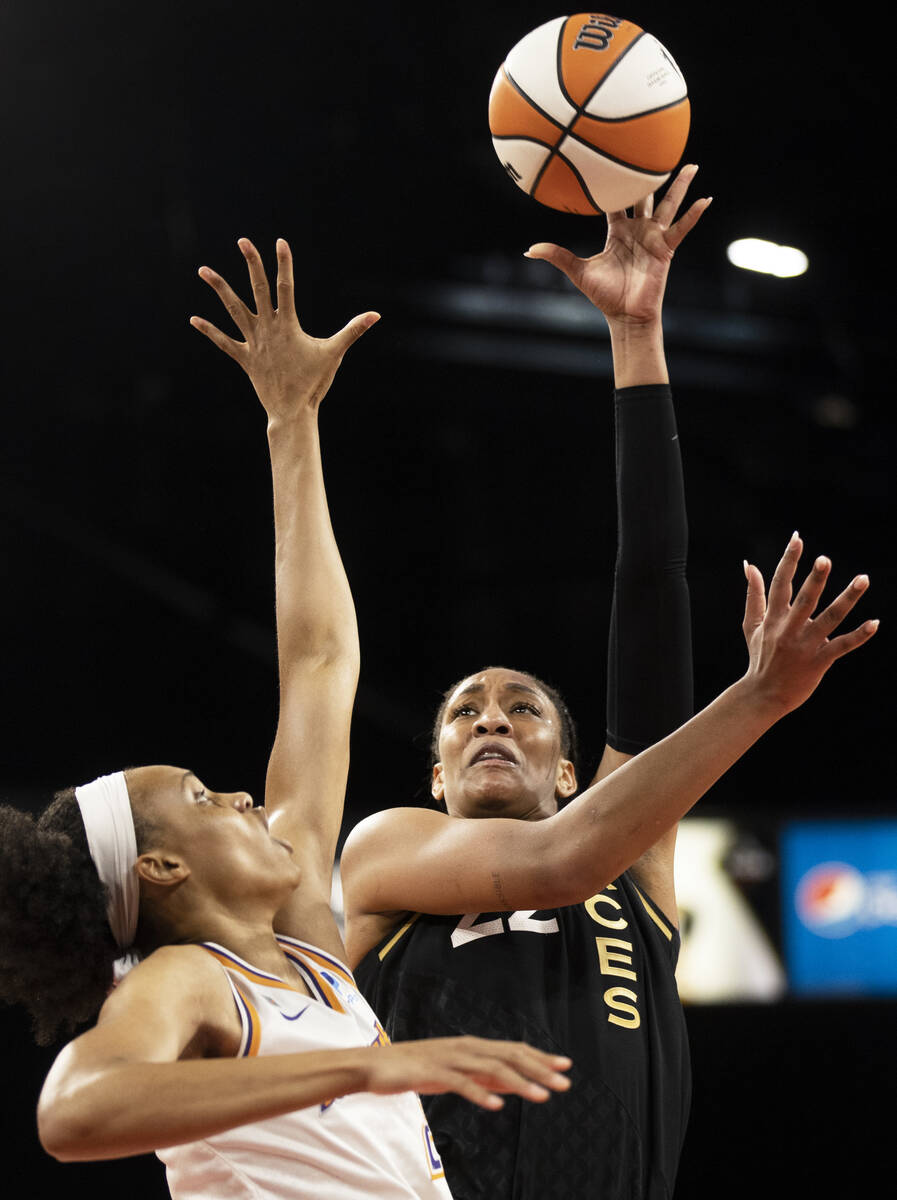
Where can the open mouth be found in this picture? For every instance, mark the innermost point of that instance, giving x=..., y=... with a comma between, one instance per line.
x=494, y=754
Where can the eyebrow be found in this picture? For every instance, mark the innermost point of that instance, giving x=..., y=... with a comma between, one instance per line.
x=477, y=688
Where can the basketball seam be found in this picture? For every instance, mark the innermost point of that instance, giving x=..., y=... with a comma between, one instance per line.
x=522, y=137
x=548, y=117
x=580, y=111
x=556, y=150
x=565, y=131
x=632, y=116
x=541, y=111
x=542, y=171
x=621, y=162
x=559, y=63
x=607, y=74
x=582, y=183
x=615, y=120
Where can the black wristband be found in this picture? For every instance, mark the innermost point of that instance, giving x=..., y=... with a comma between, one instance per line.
x=650, y=689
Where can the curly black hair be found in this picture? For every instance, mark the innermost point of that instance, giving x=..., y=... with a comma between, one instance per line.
x=56, y=948
x=569, y=736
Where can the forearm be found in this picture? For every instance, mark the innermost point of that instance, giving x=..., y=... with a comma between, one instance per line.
x=315, y=612
x=606, y=828
x=136, y=1108
x=649, y=688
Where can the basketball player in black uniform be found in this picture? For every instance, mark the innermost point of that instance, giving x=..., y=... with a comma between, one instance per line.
x=558, y=926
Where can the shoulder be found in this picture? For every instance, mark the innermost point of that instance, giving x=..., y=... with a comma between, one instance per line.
x=383, y=828
x=185, y=965
x=393, y=833
x=185, y=976
x=176, y=1003
x=389, y=841
x=376, y=846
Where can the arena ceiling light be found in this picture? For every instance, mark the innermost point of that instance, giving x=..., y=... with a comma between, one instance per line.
x=756, y=254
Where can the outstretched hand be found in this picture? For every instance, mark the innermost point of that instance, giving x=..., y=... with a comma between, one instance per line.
x=476, y=1068
x=626, y=281
x=288, y=368
x=790, y=649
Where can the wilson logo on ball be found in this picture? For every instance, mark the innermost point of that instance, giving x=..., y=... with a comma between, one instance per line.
x=596, y=33
x=589, y=113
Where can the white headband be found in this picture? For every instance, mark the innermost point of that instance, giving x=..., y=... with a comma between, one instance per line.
x=109, y=824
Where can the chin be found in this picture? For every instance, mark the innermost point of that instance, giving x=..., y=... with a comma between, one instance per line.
x=497, y=803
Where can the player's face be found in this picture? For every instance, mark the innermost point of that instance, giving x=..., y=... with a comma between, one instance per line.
x=499, y=749
x=220, y=836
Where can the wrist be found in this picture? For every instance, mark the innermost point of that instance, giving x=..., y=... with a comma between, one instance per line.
x=761, y=705
x=630, y=326
x=638, y=352
x=294, y=421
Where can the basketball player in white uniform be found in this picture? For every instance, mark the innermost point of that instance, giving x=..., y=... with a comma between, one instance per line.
x=238, y=1046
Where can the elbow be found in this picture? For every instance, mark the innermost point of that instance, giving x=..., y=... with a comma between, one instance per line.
x=336, y=656
x=58, y=1139
x=65, y=1134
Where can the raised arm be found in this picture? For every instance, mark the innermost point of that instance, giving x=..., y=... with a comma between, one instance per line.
x=627, y=280
x=152, y=1046
x=317, y=637
x=425, y=861
x=649, y=658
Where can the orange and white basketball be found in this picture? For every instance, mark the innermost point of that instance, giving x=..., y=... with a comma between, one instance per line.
x=589, y=113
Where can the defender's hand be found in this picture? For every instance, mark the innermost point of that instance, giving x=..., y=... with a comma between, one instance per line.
x=476, y=1068
x=789, y=649
x=626, y=281
x=288, y=368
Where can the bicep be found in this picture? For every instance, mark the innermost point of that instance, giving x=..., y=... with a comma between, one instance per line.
x=424, y=861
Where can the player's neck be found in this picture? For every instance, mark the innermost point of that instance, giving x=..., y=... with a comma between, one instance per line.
x=257, y=945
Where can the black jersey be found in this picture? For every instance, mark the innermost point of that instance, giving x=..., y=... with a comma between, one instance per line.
x=594, y=981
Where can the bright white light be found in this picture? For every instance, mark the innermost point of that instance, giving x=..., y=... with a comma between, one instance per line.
x=755, y=254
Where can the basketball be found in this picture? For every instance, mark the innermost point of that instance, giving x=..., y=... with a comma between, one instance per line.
x=589, y=113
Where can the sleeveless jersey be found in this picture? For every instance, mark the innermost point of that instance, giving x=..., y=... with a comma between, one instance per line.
x=594, y=981
x=357, y=1145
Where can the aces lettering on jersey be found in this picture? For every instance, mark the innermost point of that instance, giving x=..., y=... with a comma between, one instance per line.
x=614, y=953
x=615, y=958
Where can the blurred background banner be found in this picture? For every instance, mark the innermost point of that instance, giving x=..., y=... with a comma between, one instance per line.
x=805, y=910
x=839, y=900
x=726, y=884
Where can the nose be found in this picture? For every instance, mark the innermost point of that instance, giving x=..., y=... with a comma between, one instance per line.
x=242, y=801
x=492, y=721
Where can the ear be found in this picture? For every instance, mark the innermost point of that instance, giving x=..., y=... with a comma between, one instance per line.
x=437, y=784
x=160, y=868
x=565, y=780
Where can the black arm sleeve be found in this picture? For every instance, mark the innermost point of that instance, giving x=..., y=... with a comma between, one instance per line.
x=649, y=669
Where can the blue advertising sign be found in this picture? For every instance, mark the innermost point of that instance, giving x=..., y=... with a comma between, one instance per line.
x=839, y=892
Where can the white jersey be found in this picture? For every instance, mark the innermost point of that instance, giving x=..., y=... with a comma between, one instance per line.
x=355, y=1146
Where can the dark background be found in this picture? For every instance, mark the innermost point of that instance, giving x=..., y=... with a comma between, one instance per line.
x=468, y=441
